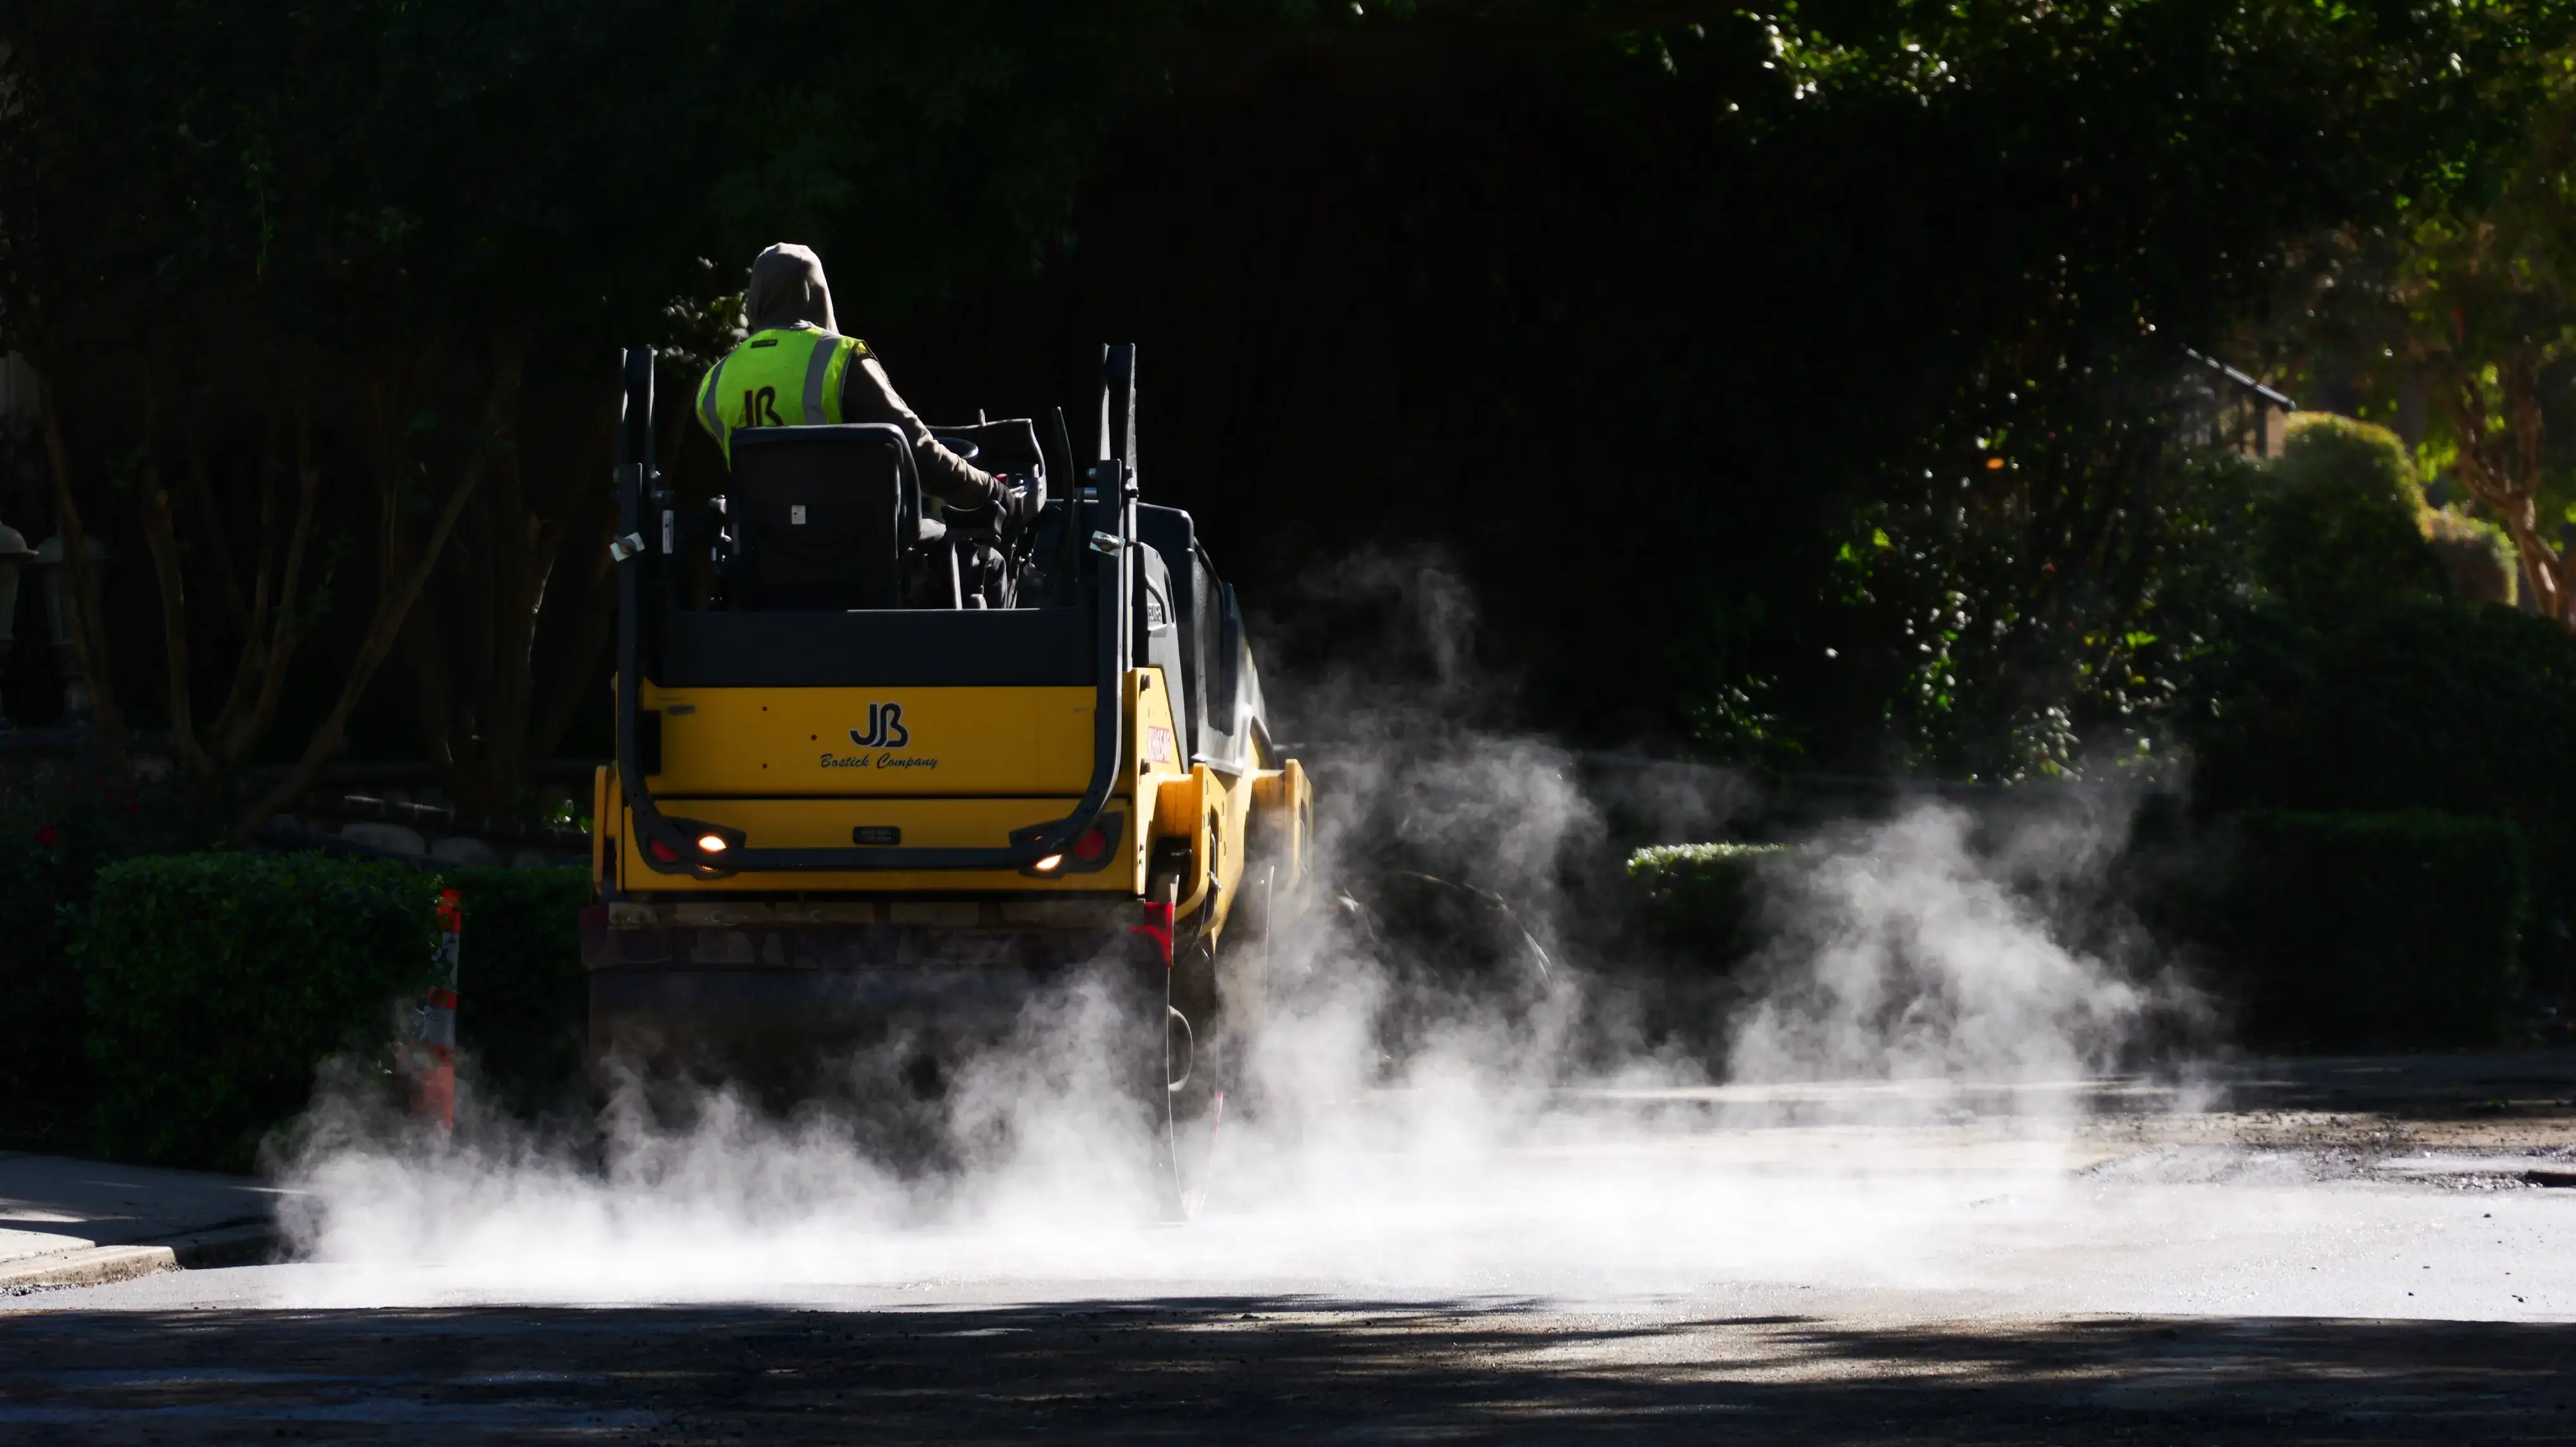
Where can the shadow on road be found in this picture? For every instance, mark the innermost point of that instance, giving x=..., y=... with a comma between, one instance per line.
x=2484, y=1085
x=1263, y=1369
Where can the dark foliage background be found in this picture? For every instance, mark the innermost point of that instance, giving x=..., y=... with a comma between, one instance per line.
x=1697, y=349
x=1794, y=386
x=1817, y=387
x=56, y=833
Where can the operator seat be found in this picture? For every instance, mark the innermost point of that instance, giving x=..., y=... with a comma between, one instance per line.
x=825, y=518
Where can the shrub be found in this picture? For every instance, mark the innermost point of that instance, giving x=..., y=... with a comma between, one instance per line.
x=2466, y=711
x=218, y=982
x=2331, y=450
x=2336, y=524
x=1701, y=899
x=2371, y=930
x=523, y=999
x=2476, y=556
x=55, y=835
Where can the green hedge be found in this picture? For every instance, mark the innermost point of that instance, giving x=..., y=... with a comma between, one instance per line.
x=2355, y=675
x=2335, y=930
x=1702, y=900
x=2465, y=710
x=523, y=1002
x=55, y=835
x=217, y=982
x=2372, y=930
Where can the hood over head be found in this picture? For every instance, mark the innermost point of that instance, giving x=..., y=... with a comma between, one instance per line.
x=787, y=287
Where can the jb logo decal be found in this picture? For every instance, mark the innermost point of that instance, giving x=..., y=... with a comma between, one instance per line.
x=885, y=728
x=885, y=733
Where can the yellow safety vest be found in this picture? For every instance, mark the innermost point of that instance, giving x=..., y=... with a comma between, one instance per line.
x=782, y=377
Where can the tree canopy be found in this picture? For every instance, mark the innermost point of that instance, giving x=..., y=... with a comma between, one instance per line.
x=1793, y=383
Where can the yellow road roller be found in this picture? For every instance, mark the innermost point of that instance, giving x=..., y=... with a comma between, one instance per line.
x=884, y=774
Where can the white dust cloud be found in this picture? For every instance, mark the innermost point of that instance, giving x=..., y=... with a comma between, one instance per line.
x=1905, y=955
x=1433, y=1097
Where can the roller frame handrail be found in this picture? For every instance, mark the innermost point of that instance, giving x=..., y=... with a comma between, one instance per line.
x=635, y=475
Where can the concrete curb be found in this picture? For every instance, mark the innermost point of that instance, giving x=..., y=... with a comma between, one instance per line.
x=250, y=1244
x=88, y=1266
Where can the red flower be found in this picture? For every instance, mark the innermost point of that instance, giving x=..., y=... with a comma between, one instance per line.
x=45, y=836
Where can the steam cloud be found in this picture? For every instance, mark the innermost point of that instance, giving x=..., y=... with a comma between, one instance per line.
x=1456, y=1113
x=1904, y=955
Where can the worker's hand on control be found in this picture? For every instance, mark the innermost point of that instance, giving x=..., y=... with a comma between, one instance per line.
x=1019, y=501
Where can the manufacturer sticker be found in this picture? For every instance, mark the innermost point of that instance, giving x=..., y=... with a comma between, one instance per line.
x=885, y=732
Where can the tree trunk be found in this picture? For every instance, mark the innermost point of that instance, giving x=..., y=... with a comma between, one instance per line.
x=489, y=718
x=269, y=619
x=399, y=589
x=2504, y=473
x=87, y=624
x=158, y=531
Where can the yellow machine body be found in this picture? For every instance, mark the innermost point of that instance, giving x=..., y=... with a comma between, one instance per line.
x=869, y=796
x=974, y=764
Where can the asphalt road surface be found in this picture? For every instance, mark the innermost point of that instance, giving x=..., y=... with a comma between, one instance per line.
x=2358, y=1251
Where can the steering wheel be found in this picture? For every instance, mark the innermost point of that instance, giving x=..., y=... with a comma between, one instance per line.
x=965, y=448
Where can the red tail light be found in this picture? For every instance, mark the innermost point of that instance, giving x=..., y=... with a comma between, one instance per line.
x=1091, y=845
x=662, y=851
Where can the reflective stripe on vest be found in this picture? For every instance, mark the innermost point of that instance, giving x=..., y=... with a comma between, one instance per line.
x=783, y=377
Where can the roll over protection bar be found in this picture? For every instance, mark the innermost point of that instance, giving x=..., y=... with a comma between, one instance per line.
x=638, y=482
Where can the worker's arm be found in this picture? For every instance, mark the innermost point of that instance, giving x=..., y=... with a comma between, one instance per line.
x=867, y=395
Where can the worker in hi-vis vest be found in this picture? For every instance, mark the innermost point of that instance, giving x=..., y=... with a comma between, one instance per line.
x=796, y=369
